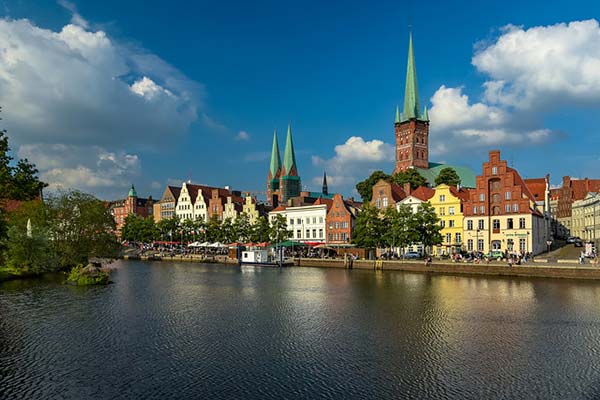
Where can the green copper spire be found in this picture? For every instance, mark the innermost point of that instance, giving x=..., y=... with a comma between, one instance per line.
x=411, y=92
x=132, y=192
x=275, y=158
x=398, y=117
x=425, y=116
x=289, y=158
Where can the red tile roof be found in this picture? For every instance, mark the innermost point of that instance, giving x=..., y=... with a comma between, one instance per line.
x=397, y=192
x=423, y=193
x=327, y=202
x=581, y=187
x=537, y=186
x=281, y=207
x=462, y=193
x=519, y=181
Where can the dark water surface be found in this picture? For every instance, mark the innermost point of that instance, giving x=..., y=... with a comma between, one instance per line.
x=194, y=331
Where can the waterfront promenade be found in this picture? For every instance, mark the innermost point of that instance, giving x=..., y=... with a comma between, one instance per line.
x=563, y=270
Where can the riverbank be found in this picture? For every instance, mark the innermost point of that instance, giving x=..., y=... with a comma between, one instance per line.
x=531, y=270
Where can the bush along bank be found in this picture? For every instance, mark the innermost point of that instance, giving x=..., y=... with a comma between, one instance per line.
x=91, y=274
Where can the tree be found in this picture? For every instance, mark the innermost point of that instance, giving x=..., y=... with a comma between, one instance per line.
x=242, y=228
x=213, y=230
x=80, y=227
x=261, y=230
x=167, y=227
x=365, y=188
x=279, y=230
x=369, y=228
x=427, y=226
x=409, y=176
x=20, y=182
x=399, y=226
x=447, y=176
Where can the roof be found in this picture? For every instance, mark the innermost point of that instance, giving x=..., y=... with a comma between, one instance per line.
x=462, y=193
x=289, y=158
x=581, y=187
x=423, y=193
x=466, y=175
x=537, y=186
x=275, y=158
x=280, y=207
x=519, y=181
x=132, y=192
x=411, y=90
x=397, y=192
x=327, y=202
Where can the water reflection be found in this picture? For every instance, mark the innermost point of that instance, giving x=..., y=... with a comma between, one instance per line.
x=207, y=331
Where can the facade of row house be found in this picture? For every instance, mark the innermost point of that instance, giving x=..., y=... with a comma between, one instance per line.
x=132, y=205
x=501, y=213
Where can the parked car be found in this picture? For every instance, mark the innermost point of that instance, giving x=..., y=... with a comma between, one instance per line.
x=573, y=239
x=412, y=254
x=495, y=255
x=578, y=243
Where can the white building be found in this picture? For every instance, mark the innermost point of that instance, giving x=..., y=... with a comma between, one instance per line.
x=185, y=204
x=305, y=223
x=231, y=209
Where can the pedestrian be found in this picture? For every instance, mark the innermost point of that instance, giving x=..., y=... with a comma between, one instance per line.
x=510, y=261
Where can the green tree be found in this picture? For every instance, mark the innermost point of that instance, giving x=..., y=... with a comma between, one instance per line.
x=409, y=176
x=427, y=226
x=399, y=226
x=242, y=228
x=80, y=227
x=369, y=228
x=447, y=176
x=168, y=228
x=279, y=230
x=365, y=188
x=261, y=230
x=19, y=182
x=213, y=230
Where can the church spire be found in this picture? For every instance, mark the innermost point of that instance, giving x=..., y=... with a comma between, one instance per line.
x=325, y=191
x=411, y=91
x=289, y=158
x=398, y=115
x=275, y=158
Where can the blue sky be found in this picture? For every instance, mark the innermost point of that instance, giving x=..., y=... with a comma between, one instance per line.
x=104, y=94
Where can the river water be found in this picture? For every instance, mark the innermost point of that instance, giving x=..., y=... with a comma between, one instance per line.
x=193, y=331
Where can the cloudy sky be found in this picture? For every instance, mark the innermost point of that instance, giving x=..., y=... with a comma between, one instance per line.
x=101, y=95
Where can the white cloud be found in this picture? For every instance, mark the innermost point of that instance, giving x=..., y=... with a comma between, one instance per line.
x=530, y=72
x=82, y=167
x=243, y=135
x=543, y=66
x=354, y=160
x=76, y=18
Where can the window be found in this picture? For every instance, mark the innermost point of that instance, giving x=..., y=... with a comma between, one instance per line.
x=331, y=225
x=481, y=210
x=481, y=197
x=496, y=224
x=385, y=202
x=378, y=203
x=321, y=233
x=479, y=244
x=457, y=238
x=507, y=208
x=451, y=223
x=494, y=170
x=480, y=224
x=337, y=225
x=507, y=195
x=314, y=220
x=308, y=233
x=495, y=198
x=330, y=237
x=299, y=221
x=451, y=210
x=298, y=234
x=515, y=208
x=307, y=220
x=470, y=245
x=314, y=233
x=292, y=221
x=443, y=223
x=521, y=223
x=470, y=225
x=442, y=210
x=344, y=236
x=442, y=197
x=320, y=220
x=475, y=210
x=522, y=245
x=448, y=238
x=509, y=223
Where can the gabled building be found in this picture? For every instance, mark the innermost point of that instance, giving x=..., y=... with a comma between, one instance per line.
x=448, y=202
x=132, y=205
x=415, y=198
x=167, y=205
x=571, y=191
x=501, y=213
x=387, y=194
x=340, y=220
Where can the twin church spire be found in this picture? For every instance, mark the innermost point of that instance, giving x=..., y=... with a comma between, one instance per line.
x=283, y=181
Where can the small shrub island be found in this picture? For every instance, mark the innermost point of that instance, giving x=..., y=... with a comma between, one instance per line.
x=91, y=274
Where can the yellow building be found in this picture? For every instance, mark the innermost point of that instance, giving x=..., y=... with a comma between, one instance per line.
x=448, y=204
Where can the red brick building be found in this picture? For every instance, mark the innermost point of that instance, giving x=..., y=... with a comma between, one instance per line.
x=340, y=219
x=120, y=209
x=572, y=190
x=387, y=194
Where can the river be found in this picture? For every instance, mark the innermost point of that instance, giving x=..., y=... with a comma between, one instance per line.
x=194, y=331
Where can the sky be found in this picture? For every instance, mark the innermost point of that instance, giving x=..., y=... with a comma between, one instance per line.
x=102, y=95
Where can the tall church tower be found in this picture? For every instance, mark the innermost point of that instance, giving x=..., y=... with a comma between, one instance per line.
x=274, y=171
x=412, y=125
x=290, y=184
